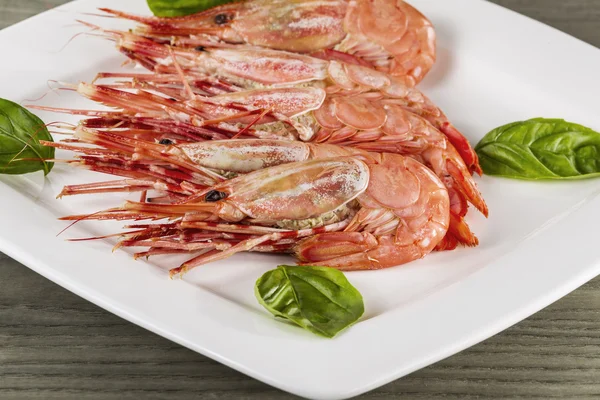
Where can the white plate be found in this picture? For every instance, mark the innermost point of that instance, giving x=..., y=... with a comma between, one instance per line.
x=539, y=243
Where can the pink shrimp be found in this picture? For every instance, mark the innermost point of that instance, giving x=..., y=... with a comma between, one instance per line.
x=388, y=35
x=368, y=121
x=217, y=71
x=328, y=205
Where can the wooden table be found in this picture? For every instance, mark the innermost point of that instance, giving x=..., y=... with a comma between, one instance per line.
x=54, y=345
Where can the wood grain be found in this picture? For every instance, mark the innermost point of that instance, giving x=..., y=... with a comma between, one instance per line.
x=54, y=345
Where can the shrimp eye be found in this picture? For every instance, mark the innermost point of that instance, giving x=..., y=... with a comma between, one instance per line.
x=215, y=195
x=221, y=19
x=166, y=142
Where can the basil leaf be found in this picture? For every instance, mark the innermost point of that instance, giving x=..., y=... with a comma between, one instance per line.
x=318, y=299
x=180, y=8
x=540, y=149
x=20, y=135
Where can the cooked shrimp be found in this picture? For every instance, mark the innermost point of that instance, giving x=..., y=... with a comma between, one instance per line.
x=328, y=205
x=388, y=35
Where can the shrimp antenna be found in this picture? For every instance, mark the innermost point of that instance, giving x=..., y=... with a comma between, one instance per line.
x=106, y=236
x=82, y=13
x=88, y=25
x=66, y=86
x=251, y=124
x=105, y=33
x=68, y=42
x=98, y=15
x=186, y=84
x=83, y=218
x=65, y=126
x=61, y=125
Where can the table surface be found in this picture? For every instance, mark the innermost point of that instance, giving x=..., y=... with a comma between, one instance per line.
x=55, y=345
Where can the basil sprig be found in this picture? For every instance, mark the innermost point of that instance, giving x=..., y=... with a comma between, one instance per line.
x=180, y=8
x=319, y=299
x=20, y=135
x=541, y=149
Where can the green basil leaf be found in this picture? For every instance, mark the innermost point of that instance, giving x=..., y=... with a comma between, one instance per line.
x=180, y=8
x=20, y=135
x=319, y=299
x=540, y=149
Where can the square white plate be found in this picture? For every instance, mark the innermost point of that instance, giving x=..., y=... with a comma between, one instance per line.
x=539, y=243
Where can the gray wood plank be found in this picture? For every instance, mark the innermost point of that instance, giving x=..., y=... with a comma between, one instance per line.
x=54, y=345
x=12, y=11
